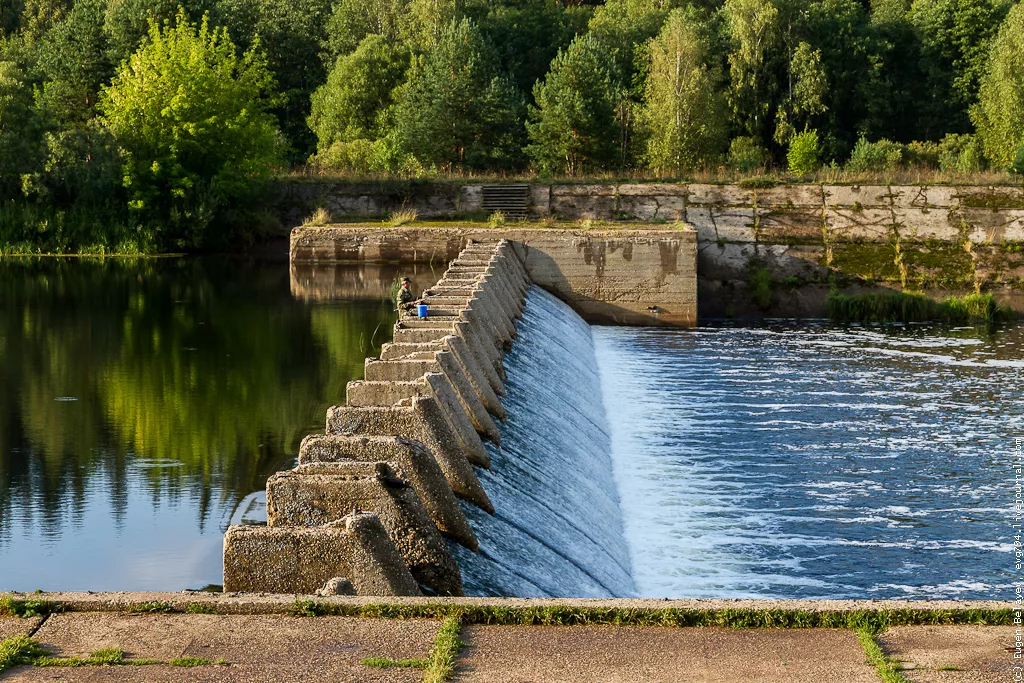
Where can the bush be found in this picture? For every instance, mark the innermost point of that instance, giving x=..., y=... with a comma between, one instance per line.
x=868, y=157
x=1018, y=164
x=804, y=152
x=745, y=154
x=355, y=156
x=190, y=115
x=960, y=154
x=920, y=154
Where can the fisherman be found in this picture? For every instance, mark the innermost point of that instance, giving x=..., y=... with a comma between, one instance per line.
x=404, y=300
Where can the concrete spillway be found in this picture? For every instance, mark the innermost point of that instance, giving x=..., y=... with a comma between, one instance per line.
x=557, y=529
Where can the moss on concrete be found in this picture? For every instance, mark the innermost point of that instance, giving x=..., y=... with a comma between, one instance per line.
x=867, y=261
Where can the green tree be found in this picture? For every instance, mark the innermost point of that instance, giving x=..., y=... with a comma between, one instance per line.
x=126, y=22
x=808, y=88
x=424, y=23
x=457, y=111
x=955, y=36
x=290, y=34
x=21, y=145
x=573, y=127
x=356, y=102
x=683, y=110
x=755, y=29
x=999, y=114
x=190, y=115
x=352, y=20
x=74, y=61
x=804, y=153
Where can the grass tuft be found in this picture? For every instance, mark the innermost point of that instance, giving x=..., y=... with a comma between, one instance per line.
x=320, y=217
x=306, y=608
x=447, y=644
x=199, y=608
x=112, y=656
x=402, y=217
x=908, y=307
x=189, y=661
x=388, y=663
x=10, y=607
x=156, y=607
x=885, y=666
x=17, y=650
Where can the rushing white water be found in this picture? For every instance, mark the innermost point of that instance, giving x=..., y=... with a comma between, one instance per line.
x=807, y=461
x=558, y=529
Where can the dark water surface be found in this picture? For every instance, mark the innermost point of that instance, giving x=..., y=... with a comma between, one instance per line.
x=143, y=402
x=803, y=460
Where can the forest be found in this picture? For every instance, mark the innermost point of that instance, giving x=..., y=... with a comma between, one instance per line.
x=155, y=125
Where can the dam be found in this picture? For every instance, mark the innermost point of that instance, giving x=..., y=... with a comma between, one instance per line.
x=503, y=446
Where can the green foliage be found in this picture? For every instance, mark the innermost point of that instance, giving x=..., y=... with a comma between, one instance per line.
x=75, y=64
x=683, y=111
x=388, y=663
x=745, y=154
x=444, y=653
x=356, y=103
x=21, y=143
x=17, y=650
x=756, y=30
x=1018, y=163
x=961, y=154
x=804, y=153
x=907, y=307
x=573, y=127
x=153, y=607
x=456, y=110
x=921, y=154
x=760, y=283
x=887, y=669
x=875, y=157
x=999, y=114
x=351, y=21
x=190, y=115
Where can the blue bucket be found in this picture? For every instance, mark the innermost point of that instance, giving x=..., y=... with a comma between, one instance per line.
x=421, y=310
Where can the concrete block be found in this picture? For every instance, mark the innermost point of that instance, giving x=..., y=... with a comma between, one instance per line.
x=721, y=195
x=857, y=195
x=412, y=461
x=422, y=420
x=260, y=559
x=320, y=493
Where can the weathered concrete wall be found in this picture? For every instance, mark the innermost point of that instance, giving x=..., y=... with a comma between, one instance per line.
x=809, y=239
x=636, y=277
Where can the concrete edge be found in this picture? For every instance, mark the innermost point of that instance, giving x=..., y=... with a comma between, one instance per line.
x=284, y=603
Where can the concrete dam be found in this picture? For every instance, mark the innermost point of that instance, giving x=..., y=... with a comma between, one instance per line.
x=474, y=458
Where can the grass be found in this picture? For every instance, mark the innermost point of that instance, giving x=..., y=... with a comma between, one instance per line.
x=760, y=283
x=388, y=663
x=447, y=644
x=9, y=607
x=154, y=607
x=402, y=217
x=907, y=307
x=22, y=650
x=560, y=615
x=884, y=666
x=318, y=218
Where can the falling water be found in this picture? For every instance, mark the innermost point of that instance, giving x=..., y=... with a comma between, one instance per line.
x=557, y=530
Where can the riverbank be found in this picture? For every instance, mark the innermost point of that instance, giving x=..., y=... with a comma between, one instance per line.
x=261, y=637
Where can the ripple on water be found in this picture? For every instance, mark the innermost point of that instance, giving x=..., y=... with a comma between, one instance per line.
x=806, y=461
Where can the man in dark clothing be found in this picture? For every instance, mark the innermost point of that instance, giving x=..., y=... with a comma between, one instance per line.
x=404, y=300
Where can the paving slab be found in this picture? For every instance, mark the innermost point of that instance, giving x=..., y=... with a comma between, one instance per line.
x=615, y=654
x=257, y=648
x=12, y=626
x=978, y=654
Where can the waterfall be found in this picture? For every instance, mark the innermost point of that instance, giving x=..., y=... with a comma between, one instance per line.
x=558, y=528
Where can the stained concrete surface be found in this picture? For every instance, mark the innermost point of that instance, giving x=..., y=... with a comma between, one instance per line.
x=12, y=626
x=610, y=654
x=979, y=654
x=256, y=648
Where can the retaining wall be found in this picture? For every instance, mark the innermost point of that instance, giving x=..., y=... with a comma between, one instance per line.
x=632, y=277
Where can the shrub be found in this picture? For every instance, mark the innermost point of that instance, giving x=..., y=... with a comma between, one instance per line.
x=804, y=153
x=745, y=154
x=1018, y=164
x=867, y=157
x=961, y=154
x=918, y=153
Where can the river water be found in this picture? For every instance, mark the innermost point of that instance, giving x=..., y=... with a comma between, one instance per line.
x=810, y=461
x=144, y=403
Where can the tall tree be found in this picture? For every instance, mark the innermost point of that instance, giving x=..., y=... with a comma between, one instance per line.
x=573, y=127
x=21, y=145
x=999, y=114
x=353, y=20
x=683, y=110
x=357, y=100
x=756, y=31
x=457, y=110
x=74, y=61
x=190, y=115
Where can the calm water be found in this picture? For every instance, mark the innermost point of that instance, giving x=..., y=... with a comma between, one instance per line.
x=809, y=461
x=142, y=402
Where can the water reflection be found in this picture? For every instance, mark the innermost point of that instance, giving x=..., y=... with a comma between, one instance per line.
x=141, y=401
